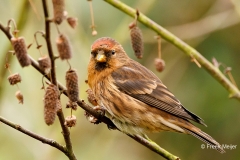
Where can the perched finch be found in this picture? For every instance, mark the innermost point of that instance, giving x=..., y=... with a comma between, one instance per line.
x=134, y=98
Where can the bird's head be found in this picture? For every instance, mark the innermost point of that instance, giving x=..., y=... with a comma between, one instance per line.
x=107, y=53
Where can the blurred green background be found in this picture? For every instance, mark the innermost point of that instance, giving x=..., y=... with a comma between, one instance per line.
x=210, y=26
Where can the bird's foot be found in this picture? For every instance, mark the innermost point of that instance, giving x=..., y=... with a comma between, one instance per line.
x=100, y=110
x=93, y=119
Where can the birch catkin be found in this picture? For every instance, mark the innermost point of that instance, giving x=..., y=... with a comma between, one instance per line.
x=50, y=104
x=20, y=49
x=64, y=48
x=72, y=85
x=45, y=64
x=14, y=78
x=19, y=96
x=70, y=121
x=159, y=64
x=136, y=40
x=58, y=11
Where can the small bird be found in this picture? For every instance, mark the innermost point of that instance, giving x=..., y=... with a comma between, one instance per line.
x=134, y=98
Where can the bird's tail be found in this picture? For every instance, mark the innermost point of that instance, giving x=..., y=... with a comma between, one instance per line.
x=196, y=132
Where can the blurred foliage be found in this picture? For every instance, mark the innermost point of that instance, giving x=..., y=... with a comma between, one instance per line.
x=194, y=87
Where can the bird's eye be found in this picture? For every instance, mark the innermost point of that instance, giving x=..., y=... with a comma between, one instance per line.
x=113, y=52
x=93, y=54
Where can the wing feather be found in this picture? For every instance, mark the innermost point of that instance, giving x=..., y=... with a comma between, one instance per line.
x=150, y=90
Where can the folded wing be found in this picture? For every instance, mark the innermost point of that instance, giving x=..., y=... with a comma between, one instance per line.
x=141, y=84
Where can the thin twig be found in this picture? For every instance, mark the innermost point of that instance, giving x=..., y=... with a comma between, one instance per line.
x=196, y=62
x=15, y=30
x=34, y=135
x=228, y=72
x=159, y=45
x=154, y=147
x=6, y=31
x=65, y=130
x=35, y=39
x=188, y=50
x=231, y=78
x=48, y=41
x=91, y=13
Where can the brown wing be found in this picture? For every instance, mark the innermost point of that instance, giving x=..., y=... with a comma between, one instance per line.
x=140, y=83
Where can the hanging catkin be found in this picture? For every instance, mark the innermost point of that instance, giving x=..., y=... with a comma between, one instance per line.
x=14, y=78
x=72, y=85
x=64, y=48
x=58, y=11
x=20, y=49
x=50, y=104
x=136, y=40
x=45, y=64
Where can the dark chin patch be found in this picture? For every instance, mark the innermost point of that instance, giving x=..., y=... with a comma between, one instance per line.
x=101, y=66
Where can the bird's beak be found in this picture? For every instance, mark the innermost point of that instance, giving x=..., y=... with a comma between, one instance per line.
x=101, y=56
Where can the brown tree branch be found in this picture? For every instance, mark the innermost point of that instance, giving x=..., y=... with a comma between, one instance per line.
x=34, y=135
x=48, y=41
x=65, y=130
x=154, y=147
x=5, y=30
